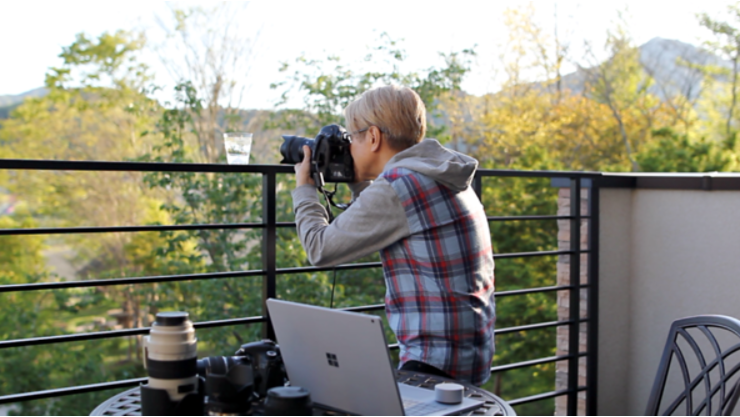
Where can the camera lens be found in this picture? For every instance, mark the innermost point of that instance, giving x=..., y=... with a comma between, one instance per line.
x=292, y=148
x=170, y=354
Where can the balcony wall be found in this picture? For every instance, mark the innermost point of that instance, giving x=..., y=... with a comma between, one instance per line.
x=669, y=247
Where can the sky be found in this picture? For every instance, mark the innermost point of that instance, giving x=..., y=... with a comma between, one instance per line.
x=33, y=32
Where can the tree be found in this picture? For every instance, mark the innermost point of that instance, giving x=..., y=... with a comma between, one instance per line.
x=95, y=110
x=328, y=86
x=671, y=152
x=621, y=84
x=27, y=314
x=727, y=45
x=205, y=47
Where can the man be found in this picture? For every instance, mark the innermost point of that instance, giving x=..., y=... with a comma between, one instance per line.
x=413, y=203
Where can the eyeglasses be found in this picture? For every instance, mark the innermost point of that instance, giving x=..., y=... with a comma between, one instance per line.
x=382, y=129
x=359, y=131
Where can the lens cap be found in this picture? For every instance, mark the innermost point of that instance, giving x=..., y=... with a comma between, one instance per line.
x=288, y=401
x=171, y=318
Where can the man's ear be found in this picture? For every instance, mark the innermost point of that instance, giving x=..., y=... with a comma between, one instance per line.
x=376, y=138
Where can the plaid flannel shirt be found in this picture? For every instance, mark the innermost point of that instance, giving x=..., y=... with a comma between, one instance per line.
x=439, y=280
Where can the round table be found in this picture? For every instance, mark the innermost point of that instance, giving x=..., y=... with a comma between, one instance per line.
x=128, y=403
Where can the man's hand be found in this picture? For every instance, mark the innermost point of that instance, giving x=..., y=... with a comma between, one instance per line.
x=303, y=169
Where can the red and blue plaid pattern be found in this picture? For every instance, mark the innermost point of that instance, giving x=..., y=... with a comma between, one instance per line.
x=439, y=280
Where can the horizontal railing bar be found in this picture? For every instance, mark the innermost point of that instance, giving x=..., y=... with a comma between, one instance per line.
x=79, y=337
x=536, y=326
x=127, y=229
x=223, y=226
x=144, y=330
x=81, y=389
x=226, y=322
x=516, y=218
x=345, y=267
x=127, y=281
x=235, y=274
x=530, y=254
x=536, y=174
x=526, y=327
x=533, y=362
x=532, y=290
x=172, y=278
x=50, y=165
x=543, y=396
x=372, y=307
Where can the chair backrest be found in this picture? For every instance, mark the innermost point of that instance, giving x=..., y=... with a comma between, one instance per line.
x=698, y=373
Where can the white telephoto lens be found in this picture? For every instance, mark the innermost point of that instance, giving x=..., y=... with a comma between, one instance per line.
x=171, y=354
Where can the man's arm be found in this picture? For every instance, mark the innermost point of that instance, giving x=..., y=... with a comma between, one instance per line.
x=374, y=221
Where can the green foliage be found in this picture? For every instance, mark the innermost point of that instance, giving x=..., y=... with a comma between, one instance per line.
x=28, y=314
x=109, y=59
x=328, y=86
x=672, y=152
x=727, y=45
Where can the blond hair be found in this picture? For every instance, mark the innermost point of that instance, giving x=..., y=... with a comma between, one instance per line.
x=396, y=111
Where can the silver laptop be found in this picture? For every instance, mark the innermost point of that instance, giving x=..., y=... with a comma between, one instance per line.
x=342, y=359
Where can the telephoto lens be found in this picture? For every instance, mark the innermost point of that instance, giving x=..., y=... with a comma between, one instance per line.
x=170, y=355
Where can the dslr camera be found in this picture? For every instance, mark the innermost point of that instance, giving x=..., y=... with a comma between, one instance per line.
x=181, y=384
x=232, y=383
x=331, y=160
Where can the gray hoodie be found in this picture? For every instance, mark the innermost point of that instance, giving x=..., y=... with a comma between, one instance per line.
x=435, y=246
x=376, y=219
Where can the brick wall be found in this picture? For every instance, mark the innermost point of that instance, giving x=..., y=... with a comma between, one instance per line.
x=563, y=278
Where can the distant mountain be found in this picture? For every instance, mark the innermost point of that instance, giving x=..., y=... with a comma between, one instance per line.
x=666, y=61
x=9, y=100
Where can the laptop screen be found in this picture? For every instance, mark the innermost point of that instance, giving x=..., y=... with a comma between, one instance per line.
x=340, y=357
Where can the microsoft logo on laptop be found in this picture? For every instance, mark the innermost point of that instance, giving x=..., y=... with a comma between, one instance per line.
x=332, y=359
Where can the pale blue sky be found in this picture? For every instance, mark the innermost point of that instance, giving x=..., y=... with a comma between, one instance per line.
x=33, y=32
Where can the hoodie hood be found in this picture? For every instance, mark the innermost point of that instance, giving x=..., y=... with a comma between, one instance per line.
x=428, y=157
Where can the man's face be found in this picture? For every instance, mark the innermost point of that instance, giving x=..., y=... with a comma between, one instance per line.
x=361, y=155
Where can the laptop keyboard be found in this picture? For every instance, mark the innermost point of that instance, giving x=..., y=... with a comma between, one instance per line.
x=421, y=408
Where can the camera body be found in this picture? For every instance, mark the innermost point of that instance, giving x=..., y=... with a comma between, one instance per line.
x=331, y=160
x=232, y=383
x=267, y=365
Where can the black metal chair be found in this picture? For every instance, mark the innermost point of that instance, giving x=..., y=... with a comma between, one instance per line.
x=698, y=372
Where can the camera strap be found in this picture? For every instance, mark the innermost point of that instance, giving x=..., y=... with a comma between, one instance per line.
x=328, y=195
x=319, y=181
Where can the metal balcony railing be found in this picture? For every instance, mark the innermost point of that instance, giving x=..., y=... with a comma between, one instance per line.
x=270, y=271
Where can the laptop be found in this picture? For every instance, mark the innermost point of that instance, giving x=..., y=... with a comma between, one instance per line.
x=342, y=358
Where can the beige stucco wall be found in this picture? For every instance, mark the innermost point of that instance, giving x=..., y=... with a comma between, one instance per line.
x=664, y=255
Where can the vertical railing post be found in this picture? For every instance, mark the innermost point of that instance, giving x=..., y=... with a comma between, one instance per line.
x=575, y=281
x=478, y=185
x=269, y=244
x=592, y=364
